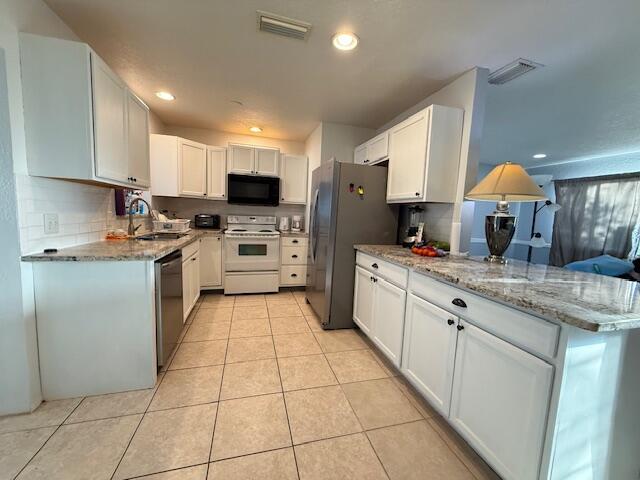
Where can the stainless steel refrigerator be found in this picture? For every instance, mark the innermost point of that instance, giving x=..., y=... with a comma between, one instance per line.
x=348, y=207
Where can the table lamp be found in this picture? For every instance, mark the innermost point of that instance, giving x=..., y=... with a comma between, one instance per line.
x=508, y=182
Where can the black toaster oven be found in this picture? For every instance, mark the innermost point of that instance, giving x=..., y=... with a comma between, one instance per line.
x=205, y=220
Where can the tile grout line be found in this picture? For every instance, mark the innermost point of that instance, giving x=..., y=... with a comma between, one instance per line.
x=215, y=420
x=286, y=412
x=49, y=438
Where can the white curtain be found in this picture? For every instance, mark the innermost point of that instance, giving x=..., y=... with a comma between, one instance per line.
x=598, y=217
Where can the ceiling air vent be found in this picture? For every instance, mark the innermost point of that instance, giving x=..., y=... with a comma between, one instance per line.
x=287, y=27
x=512, y=70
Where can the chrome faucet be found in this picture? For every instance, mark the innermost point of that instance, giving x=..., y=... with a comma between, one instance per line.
x=132, y=230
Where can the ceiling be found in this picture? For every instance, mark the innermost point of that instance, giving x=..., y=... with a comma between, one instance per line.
x=587, y=106
x=209, y=52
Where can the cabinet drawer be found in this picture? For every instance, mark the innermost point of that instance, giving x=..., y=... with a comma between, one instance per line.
x=293, y=274
x=294, y=255
x=532, y=333
x=390, y=272
x=190, y=250
x=293, y=241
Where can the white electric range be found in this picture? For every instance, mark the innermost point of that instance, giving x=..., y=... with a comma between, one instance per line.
x=252, y=254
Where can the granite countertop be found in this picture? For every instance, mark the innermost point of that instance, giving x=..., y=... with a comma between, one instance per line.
x=588, y=301
x=293, y=234
x=117, y=250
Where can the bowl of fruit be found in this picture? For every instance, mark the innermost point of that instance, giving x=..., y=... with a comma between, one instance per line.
x=429, y=249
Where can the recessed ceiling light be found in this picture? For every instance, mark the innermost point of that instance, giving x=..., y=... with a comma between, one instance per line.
x=345, y=41
x=540, y=155
x=165, y=96
x=255, y=129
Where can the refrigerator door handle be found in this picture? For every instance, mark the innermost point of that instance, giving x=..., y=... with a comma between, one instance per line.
x=313, y=237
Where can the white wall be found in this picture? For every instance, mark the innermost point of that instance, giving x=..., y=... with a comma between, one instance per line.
x=469, y=92
x=313, y=150
x=339, y=140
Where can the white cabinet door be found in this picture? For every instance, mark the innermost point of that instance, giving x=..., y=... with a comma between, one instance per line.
x=193, y=168
x=266, y=161
x=360, y=154
x=500, y=401
x=187, y=269
x=138, y=141
x=241, y=159
x=195, y=279
x=388, y=327
x=429, y=351
x=363, y=298
x=293, y=178
x=109, y=123
x=378, y=147
x=217, y=172
x=211, y=261
x=407, y=159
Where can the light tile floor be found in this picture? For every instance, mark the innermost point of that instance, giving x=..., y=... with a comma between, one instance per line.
x=256, y=389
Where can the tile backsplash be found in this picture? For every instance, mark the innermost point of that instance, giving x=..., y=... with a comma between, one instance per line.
x=85, y=212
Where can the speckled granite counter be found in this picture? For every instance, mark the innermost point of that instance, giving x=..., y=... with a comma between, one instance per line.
x=588, y=301
x=118, y=250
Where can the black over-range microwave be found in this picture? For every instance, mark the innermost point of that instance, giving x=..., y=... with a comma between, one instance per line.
x=253, y=190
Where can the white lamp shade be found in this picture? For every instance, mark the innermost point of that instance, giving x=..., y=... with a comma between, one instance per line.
x=507, y=182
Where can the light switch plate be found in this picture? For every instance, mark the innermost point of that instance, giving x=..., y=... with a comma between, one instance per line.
x=51, y=224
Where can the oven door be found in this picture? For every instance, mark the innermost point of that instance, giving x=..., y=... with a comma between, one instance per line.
x=251, y=253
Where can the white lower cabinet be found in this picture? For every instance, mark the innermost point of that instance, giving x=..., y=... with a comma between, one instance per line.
x=190, y=278
x=211, y=261
x=363, y=295
x=495, y=394
x=500, y=400
x=429, y=351
x=293, y=261
x=389, y=318
x=378, y=309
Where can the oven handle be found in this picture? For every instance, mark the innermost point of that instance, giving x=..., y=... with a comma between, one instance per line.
x=312, y=226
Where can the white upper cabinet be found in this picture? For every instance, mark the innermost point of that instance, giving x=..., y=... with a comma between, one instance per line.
x=500, y=401
x=109, y=122
x=81, y=121
x=192, y=161
x=183, y=168
x=267, y=160
x=293, y=178
x=373, y=151
x=248, y=159
x=138, y=141
x=217, y=173
x=424, y=153
x=429, y=351
x=360, y=154
x=241, y=159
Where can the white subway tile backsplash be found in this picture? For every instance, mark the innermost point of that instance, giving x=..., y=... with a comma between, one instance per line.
x=85, y=212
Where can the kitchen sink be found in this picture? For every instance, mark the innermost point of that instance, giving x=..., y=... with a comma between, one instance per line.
x=160, y=236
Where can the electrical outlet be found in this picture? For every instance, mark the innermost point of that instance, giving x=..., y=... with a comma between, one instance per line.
x=51, y=224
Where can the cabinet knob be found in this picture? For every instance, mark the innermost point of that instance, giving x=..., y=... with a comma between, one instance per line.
x=294, y=274
x=204, y=194
x=135, y=179
x=294, y=256
x=417, y=194
x=451, y=321
x=460, y=327
x=458, y=302
x=374, y=265
x=294, y=241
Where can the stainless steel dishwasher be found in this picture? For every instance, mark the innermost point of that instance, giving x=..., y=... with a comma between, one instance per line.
x=168, y=304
